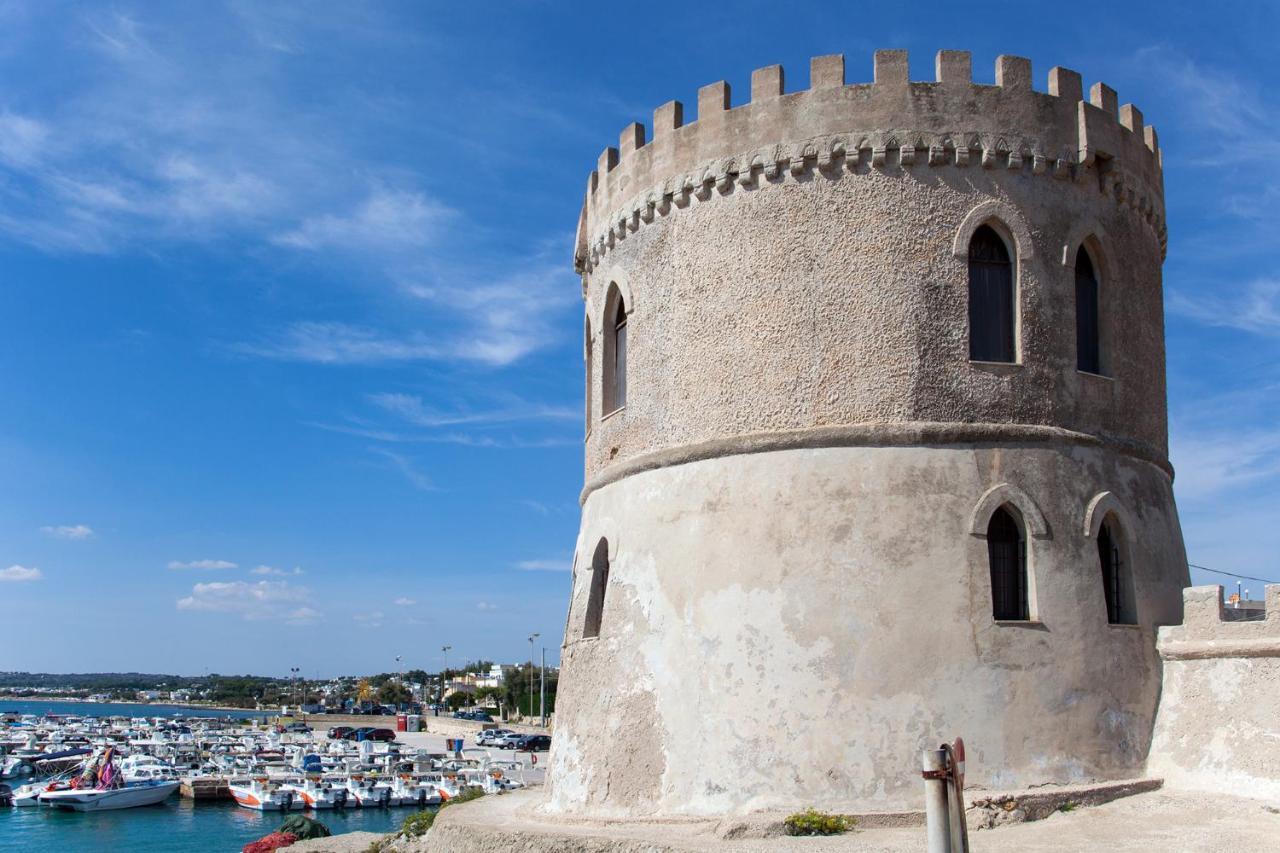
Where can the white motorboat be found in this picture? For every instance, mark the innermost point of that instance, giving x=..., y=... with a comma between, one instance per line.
x=260, y=794
x=406, y=790
x=318, y=794
x=127, y=796
x=369, y=793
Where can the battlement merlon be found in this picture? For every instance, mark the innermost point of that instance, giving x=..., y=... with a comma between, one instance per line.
x=951, y=120
x=1205, y=634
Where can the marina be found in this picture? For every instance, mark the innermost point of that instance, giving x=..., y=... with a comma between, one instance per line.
x=221, y=777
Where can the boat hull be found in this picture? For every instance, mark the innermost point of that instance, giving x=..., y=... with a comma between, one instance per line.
x=93, y=800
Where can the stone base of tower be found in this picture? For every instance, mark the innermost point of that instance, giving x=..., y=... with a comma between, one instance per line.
x=1114, y=817
x=789, y=629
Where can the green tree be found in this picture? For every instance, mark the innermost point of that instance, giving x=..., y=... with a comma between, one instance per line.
x=393, y=693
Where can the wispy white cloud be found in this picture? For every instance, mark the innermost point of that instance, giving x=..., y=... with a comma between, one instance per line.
x=18, y=574
x=342, y=343
x=203, y=564
x=407, y=468
x=385, y=220
x=260, y=601
x=404, y=602
x=372, y=619
x=1211, y=461
x=272, y=571
x=1253, y=307
x=552, y=565
x=412, y=409
x=68, y=531
x=486, y=605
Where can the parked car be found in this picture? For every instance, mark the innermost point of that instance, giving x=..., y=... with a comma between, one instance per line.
x=385, y=735
x=357, y=734
x=535, y=743
x=490, y=737
x=509, y=741
x=339, y=732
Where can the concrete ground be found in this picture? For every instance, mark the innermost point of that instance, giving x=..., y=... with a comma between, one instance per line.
x=1157, y=821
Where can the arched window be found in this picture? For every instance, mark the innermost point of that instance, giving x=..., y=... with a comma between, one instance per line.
x=615, y=352
x=1117, y=585
x=590, y=366
x=599, y=582
x=1007, y=552
x=1088, y=339
x=991, y=299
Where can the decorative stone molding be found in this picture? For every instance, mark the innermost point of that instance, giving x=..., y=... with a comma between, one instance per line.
x=898, y=123
x=597, y=306
x=1100, y=506
x=1086, y=233
x=1005, y=218
x=1006, y=493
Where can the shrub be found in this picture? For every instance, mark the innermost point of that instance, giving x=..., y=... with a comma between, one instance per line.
x=814, y=822
x=417, y=824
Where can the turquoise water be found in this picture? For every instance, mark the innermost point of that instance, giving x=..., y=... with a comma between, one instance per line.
x=177, y=825
x=117, y=709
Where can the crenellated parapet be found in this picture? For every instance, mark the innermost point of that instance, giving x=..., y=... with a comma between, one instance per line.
x=1204, y=633
x=838, y=129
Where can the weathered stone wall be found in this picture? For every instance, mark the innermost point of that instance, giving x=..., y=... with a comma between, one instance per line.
x=1218, y=728
x=795, y=495
x=792, y=628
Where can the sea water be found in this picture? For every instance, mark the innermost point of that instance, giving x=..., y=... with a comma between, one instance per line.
x=177, y=825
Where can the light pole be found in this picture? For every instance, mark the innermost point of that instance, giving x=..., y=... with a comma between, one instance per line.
x=532, y=637
x=295, y=670
x=444, y=673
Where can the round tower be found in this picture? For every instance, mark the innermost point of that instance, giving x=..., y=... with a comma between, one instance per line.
x=876, y=445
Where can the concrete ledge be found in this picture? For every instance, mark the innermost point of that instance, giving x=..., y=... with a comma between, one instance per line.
x=512, y=823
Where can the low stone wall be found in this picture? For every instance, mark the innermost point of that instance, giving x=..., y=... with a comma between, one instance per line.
x=1218, y=726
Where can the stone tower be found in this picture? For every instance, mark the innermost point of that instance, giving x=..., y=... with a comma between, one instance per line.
x=876, y=446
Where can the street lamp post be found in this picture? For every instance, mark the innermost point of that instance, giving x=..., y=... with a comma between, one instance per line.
x=444, y=673
x=532, y=637
x=295, y=670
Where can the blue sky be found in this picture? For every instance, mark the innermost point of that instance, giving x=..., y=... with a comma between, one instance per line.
x=291, y=339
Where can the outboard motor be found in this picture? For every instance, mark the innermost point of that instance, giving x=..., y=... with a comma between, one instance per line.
x=340, y=798
x=287, y=803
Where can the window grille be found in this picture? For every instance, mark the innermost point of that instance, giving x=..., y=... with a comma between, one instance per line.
x=991, y=303
x=1088, y=343
x=1007, y=552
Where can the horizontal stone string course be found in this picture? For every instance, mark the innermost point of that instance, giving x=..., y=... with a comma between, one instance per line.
x=834, y=156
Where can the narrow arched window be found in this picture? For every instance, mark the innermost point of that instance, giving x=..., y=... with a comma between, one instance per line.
x=1117, y=585
x=1007, y=553
x=1088, y=339
x=599, y=582
x=991, y=299
x=615, y=353
x=590, y=365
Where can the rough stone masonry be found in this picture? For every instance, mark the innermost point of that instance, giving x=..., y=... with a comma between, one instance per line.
x=807, y=502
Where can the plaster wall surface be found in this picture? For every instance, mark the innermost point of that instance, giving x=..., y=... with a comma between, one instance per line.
x=791, y=628
x=795, y=494
x=1218, y=728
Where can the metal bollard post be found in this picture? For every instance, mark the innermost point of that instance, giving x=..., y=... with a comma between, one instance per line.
x=937, y=822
